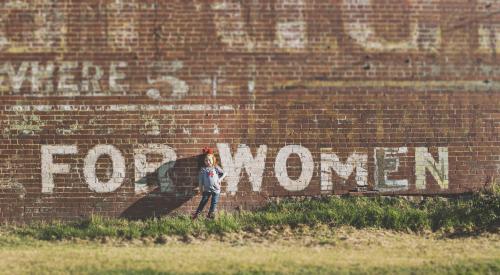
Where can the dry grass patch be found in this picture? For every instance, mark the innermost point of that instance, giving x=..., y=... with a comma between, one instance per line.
x=314, y=251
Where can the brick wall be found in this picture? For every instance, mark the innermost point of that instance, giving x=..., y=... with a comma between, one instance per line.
x=105, y=105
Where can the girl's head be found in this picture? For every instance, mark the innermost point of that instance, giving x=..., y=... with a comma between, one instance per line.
x=210, y=160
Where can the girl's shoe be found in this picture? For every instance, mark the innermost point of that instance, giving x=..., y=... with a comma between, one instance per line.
x=194, y=216
x=211, y=216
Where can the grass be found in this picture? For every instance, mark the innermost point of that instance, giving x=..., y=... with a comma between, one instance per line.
x=477, y=213
x=349, y=251
x=313, y=236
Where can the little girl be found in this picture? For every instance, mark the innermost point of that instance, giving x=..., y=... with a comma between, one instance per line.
x=209, y=180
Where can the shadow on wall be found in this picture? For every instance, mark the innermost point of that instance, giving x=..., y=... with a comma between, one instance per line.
x=155, y=202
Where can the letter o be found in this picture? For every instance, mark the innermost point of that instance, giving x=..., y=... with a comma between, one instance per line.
x=118, y=169
x=307, y=167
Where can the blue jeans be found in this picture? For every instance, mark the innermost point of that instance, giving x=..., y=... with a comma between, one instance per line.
x=204, y=199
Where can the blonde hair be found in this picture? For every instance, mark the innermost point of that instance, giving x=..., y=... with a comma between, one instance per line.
x=212, y=158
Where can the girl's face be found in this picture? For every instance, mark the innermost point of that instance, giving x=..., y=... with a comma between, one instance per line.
x=210, y=160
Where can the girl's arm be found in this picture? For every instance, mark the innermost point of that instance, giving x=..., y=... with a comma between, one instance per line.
x=222, y=173
x=200, y=181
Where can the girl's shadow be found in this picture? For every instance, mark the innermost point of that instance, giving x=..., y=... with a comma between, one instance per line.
x=155, y=203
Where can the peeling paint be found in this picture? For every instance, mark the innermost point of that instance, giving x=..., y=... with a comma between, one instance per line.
x=73, y=128
x=243, y=158
x=357, y=25
x=28, y=125
x=162, y=168
x=49, y=168
x=472, y=85
x=118, y=174
x=331, y=161
x=488, y=26
x=387, y=161
x=233, y=30
x=17, y=187
x=42, y=78
x=47, y=21
x=123, y=35
x=151, y=126
x=307, y=170
x=251, y=86
x=489, y=38
x=160, y=74
x=425, y=162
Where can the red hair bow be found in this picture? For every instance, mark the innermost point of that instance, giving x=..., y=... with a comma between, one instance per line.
x=207, y=150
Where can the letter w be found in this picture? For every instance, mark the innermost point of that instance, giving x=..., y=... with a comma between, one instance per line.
x=243, y=159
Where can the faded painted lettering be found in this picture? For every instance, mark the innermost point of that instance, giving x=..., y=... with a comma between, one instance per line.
x=387, y=161
x=242, y=159
x=160, y=74
x=234, y=31
x=89, y=169
x=143, y=167
x=331, y=161
x=115, y=76
x=425, y=162
x=307, y=167
x=357, y=24
x=49, y=168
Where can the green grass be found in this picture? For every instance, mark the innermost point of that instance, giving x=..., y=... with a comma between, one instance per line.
x=476, y=213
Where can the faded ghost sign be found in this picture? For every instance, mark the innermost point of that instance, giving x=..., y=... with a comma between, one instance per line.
x=386, y=162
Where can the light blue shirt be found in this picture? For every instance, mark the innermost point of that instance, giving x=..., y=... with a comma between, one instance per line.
x=210, y=178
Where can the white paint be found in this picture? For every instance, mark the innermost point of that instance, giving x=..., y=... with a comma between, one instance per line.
x=122, y=108
x=164, y=69
x=216, y=129
x=16, y=4
x=16, y=77
x=489, y=27
x=153, y=94
x=88, y=74
x=3, y=42
x=48, y=26
x=291, y=35
x=143, y=167
x=49, y=168
x=281, y=172
x=358, y=26
x=65, y=76
x=214, y=86
x=439, y=170
x=243, y=159
x=89, y=170
x=489, y=38
x=123, y=34
x=251, y=86
x=390, y=164
x=232, y=29
x=331, y=161
x=42, y=75
x=90, y=83
x=115, y=75
x=386, y=162
x=151, y=125
x=291, y=28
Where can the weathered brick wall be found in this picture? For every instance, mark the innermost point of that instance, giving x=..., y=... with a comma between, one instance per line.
x=105, y=105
